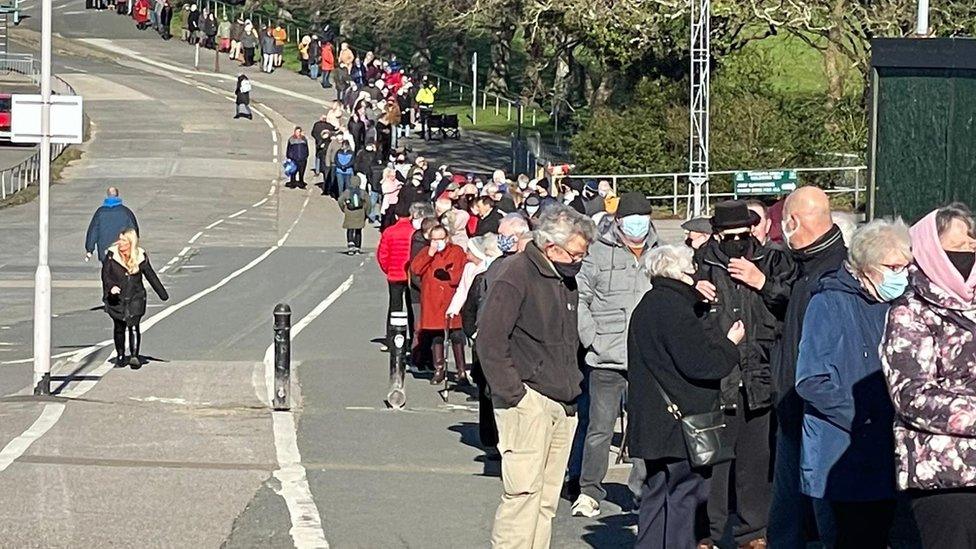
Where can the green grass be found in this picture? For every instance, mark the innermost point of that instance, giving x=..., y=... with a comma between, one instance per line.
x=793, y=66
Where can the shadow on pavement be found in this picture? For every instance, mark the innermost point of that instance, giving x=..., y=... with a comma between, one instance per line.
x=612, y=531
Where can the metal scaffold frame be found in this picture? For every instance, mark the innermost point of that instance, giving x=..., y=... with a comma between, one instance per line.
x=699, y=105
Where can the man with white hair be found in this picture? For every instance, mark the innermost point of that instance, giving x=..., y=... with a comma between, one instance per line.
x=534, y=386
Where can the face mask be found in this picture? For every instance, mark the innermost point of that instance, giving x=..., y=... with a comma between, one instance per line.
x=507, y=243
x=635, y=227
x=963, y=262
x=417, y=223
x=737, y=248
x=568, y=270
x=523, y=186
x=440, y=245
x=788, y=234
x=602, y=193
x=893, y=284
x=531, y=210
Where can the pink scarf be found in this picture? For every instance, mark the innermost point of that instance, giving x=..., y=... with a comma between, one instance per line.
x=933, y=261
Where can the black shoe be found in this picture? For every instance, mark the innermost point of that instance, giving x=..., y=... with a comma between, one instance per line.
x=135, y=362
x=120, y=361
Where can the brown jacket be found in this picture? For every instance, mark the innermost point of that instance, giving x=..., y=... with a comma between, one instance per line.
x=527, y=331
x=346, y=57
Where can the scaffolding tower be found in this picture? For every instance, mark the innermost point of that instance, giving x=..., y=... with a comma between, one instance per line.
x=699, y=106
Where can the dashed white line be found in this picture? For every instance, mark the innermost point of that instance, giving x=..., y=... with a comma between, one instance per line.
x=259, y=202
x=236, y=214
x=274, y=137
x=275, y=149
x=215, y=223
x=195, y=237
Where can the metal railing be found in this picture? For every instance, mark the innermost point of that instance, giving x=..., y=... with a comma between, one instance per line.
x=28, y=172
x=835, y=181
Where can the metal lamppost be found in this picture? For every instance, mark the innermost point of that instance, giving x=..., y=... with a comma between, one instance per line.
x=42, y=278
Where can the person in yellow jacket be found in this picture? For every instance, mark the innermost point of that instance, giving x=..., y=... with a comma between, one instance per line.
x=425, y=105
x=280, y=37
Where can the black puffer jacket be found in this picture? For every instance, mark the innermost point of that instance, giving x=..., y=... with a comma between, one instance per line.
x=760, y=312
x=129, y=305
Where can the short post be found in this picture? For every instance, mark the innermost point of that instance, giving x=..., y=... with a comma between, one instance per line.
x=674, y=208
x=396, y=338
x=282, y=358
x=196, y=57
x=217, y=58
x=857, y=186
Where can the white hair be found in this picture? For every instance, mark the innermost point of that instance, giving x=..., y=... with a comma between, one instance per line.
x=558, y=224
x=871, y=243
x=847, y=224
x=517, y=223
x=670, y=262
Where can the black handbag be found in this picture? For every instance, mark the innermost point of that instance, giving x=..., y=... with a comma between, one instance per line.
x=706, y=435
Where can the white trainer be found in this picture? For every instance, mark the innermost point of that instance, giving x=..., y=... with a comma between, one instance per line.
x=585, y=506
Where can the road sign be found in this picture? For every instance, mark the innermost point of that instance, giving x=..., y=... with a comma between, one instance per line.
x=768, y=182
x=66, y=119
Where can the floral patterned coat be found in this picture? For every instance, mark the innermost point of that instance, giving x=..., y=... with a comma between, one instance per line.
x=929, y=359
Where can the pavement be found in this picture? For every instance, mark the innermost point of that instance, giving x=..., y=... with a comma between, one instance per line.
x=184, y=451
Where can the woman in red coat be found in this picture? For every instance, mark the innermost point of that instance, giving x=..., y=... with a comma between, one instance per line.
x=439, y=267
x=140, y=13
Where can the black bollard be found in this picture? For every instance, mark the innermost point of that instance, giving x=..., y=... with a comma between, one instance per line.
x=282, y=340
x=397, y=342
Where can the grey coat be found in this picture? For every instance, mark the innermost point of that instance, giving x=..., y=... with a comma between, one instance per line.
x=611, y=284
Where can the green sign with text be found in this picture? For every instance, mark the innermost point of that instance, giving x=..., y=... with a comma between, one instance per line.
x=770, y=182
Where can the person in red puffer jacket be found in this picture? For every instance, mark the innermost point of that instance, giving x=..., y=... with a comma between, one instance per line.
x=393, y=255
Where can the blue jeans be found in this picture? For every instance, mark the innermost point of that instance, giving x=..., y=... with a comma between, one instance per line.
x=325, y=79
x=790, y=508
x=343, y=180
x=575, y=466
x=376, y=199
x=313, y=71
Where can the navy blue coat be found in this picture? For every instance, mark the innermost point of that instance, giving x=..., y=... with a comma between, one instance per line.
x=109, y=221
x=848, y=451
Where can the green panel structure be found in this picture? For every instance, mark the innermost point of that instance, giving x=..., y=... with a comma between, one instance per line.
x=922, y=152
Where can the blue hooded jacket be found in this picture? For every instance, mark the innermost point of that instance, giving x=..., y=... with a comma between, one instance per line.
x=110, y=220
x=848, y=451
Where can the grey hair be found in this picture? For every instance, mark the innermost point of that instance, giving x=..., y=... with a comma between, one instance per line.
x=558, y=224
x=420, y=210
x=956, y=210
x=670, y=262
x=517, y=222
x=872, y=242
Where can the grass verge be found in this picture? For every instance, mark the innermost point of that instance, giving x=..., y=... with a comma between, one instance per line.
x=28, y=194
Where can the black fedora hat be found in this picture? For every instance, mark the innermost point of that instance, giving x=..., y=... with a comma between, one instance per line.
x=733, y=214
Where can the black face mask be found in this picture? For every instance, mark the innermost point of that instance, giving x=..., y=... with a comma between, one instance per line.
x=962, y=261
x=568, y=270
x=738, y=247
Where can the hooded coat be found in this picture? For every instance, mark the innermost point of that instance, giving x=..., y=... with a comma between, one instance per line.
x=929, y=359
x=847, y=438
x=129, y=305
x=611, y=283
x=109, y=221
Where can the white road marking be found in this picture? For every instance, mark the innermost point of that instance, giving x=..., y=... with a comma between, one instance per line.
x=195, y=237
x=306, y=524
x=274, y=137
x=235, y=214
x=75, y=12
x=215, y=223
x=16, y=447
x=275, y=149
x=259, y=202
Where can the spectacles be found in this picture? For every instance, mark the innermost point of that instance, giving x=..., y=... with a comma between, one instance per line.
x=576, y=257
x=736, y=236
x=897, y=269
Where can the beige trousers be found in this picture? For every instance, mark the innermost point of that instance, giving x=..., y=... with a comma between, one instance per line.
x=534, y=439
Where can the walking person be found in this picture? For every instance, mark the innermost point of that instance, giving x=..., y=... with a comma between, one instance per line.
x=242, y=96
x=110, y=220
x=124, y=295
x=927, y=356
x=297, y=152
x=439, y=266
x=534, y=386
x=354, y=203
x=848, y=444
x=611, y=283
x=818, y=249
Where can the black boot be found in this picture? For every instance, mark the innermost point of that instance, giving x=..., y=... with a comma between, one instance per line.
x=440, y=368
x=460, y=362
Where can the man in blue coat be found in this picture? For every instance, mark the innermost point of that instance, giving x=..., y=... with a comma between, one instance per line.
x=109, y=221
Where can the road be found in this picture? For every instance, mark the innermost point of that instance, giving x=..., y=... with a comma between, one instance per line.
x=184, y=452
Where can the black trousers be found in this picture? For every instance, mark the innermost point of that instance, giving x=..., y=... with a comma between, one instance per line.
x=487, y=428
x=119, y=329
x=747, y=480
x=863, y=524
x=354, y=238
x=946, y=519
x=670, y=496
x=400, y=302
x=248, y=57
x=299, y=175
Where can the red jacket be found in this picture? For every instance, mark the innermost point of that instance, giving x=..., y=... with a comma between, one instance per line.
x=328, y=57
x=393, y=252
x=439, y=279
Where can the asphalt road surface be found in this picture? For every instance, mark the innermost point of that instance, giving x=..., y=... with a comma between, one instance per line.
x=184, y=452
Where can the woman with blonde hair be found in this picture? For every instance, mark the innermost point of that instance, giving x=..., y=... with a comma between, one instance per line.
x=124, y=295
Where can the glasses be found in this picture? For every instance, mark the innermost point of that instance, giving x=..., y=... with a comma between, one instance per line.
x=897, y=269
x=576, y=257
x=736, y=236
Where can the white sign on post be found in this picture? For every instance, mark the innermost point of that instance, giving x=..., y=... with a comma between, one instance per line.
x=66, y=119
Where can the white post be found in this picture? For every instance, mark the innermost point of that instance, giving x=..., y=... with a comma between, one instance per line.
x=922, y=27
x=196, y=57
x=474, y=89
x=42, y=278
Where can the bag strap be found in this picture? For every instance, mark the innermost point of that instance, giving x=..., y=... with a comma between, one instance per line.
x=672, y=407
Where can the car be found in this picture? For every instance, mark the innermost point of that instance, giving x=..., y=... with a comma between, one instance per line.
x=5, y=103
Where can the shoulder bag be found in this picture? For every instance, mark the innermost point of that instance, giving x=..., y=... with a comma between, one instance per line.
x=706, y=435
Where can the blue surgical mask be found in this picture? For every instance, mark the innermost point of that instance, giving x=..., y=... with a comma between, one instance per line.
x=507, y=243
x=893, y=285
x=635, y=227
